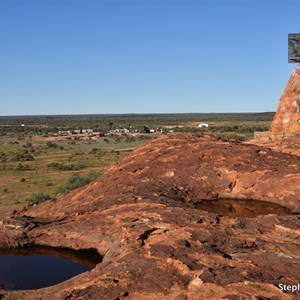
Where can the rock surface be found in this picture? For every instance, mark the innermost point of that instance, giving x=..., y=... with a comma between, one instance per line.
x=278, y=141
x=287, y=118
x=140, y=216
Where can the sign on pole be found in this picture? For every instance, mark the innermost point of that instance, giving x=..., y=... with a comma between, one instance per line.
x=294, y=47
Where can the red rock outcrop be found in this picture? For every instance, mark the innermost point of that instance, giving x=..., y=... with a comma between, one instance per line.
x=287, y=118
x=140, y=216
x=278, y=141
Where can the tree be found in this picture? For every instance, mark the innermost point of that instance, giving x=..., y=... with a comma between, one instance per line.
x=144, y=129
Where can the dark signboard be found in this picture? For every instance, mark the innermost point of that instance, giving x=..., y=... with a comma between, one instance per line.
x=294, y=47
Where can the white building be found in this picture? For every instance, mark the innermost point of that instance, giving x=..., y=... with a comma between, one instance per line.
x=202, y=125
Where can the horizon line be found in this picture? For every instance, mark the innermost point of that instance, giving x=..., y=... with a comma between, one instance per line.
x=128, y=114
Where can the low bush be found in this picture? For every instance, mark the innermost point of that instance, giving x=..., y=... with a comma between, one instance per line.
x=22, y=167
x=66, y=167
x=21, y=156
x=51, y=145
x=3, y=157
x=233, y=136
x=76, y=180
x=37, y=198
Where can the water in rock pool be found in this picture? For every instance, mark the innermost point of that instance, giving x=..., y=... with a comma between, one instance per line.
x=37, y=267
x=241, y=208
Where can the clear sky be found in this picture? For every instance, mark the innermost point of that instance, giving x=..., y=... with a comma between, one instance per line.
x=82, y=57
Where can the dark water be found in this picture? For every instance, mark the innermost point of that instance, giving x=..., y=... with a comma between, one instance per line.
x=241, y=208
x=37, y=267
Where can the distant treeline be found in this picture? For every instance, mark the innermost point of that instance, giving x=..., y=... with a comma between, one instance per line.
x=125, y=120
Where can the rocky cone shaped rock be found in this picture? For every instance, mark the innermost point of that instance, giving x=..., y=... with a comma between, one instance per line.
x=287, y=118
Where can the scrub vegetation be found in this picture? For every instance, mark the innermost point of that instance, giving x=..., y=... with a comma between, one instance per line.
x=42, y=156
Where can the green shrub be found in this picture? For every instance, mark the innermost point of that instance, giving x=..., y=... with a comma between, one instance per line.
x=37, y=198
x=144, y=129
x=66, y=167
x=22, y=156
x=233, y=136
x=28, y=145
x=21, y=167
x=3, y=157
x=51, y=145
x=76, y=180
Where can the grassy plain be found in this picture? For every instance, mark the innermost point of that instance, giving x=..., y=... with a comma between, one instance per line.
x=35, y=159
x=33, y=165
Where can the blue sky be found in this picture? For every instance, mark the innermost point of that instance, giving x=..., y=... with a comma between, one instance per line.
x=82, y=57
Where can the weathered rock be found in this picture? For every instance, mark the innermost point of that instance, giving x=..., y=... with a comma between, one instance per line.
x=140, y=216
x=280, y=141
x=287, y=118
x=284, y=134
